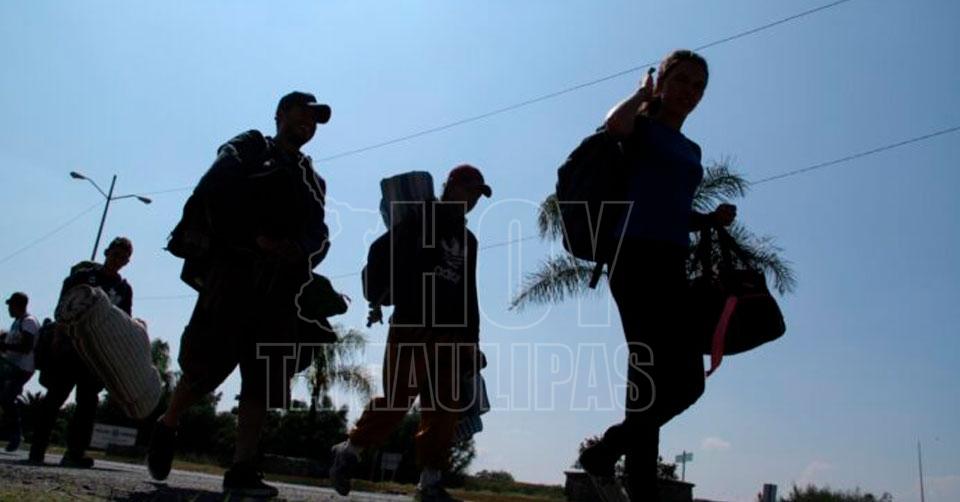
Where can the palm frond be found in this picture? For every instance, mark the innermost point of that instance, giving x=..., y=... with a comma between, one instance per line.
x=549, y=224
x=558, y=277
x=766, y=256
x=354, y=378
x=350, y=345
x=720, y=183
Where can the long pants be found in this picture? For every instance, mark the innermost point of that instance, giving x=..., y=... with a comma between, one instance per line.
x=11, y=385
x=60, y=381
x=666, y=373
x=428, y=364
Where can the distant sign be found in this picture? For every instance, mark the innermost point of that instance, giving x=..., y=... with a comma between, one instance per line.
x=105, y=435
x=686, y=457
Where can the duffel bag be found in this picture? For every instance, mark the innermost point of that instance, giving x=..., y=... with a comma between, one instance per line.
x=114, y=346
x=733, y=309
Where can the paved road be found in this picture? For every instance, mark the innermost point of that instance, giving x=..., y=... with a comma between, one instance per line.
x=128, y=482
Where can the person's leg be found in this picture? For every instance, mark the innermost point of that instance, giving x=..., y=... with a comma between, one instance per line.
x=207, y=357
x=641, y=466
x=404, y=351
x=9, y=399
x=57, y=394
x=665, y=372
x=80, y=429
x=404, y=358
x=440, y=408
x=244, y=478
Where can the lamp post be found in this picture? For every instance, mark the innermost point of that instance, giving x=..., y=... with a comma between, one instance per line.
x=110, y=198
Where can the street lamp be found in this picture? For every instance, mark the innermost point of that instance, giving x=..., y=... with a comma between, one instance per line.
x=110, y=198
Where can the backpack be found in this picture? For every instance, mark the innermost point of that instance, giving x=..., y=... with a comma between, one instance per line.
x=413, y=186
x=192, y=238
x=591, y=199
x=42, y=352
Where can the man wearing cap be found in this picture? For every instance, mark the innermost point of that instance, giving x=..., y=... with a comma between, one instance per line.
x=67, y=370
x=433, y=336
x=260, y=229
x=17, y=364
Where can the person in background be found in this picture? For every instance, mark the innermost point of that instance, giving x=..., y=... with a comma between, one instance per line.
x=17, y=364
x=67, y=370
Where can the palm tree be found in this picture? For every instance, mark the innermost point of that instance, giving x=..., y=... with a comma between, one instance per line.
x=339, y=365
x=561, y=275
x=160, y=354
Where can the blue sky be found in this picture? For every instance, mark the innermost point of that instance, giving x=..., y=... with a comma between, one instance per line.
x=871, y=358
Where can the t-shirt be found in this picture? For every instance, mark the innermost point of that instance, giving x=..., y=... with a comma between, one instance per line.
x=431, y=280
x=25, y=324
x=665, y=171
x=94, y=275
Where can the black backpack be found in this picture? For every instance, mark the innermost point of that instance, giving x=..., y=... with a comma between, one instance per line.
x=192, y=238
x=43, y=352
x=591, y=195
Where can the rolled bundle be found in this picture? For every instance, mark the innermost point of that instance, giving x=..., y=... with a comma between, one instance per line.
x=114, y=346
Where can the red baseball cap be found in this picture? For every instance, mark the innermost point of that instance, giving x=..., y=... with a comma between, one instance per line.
x=467, y=175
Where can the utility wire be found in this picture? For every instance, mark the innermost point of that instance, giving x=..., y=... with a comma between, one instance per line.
x=554, y=94
x=848, y=158
x=577, y=87
x=49, y=234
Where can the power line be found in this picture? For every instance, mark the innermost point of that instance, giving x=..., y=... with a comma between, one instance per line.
x=169, y=190
x=848, y=158
x=551, y=95
x=577, y=87
x=49, y=234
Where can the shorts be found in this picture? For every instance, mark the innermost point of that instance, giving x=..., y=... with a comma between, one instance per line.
x=235, y=323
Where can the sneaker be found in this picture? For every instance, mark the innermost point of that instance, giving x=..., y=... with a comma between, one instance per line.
x=14, y=443
x=243, y=480
x=76, y=462
x=345, y=460
x=596, y=460
x=434, y=494
x=160, y=451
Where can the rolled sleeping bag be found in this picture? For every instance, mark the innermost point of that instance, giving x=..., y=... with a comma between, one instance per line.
x=403, y=195
x=114, y=346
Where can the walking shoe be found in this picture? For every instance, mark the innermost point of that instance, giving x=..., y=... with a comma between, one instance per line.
x=76, y=462
x=243, y=480
x=597, y=460
x=345, y=460
x=434, y=494
x=14, y=443
x=160, y=452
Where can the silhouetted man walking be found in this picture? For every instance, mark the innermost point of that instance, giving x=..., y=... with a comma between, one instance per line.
x=252, y=231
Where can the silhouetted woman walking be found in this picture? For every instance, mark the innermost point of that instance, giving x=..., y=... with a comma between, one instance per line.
x=649, y=281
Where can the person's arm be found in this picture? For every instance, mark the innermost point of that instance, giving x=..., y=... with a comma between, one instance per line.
x=126, y=298
x=315, y=238
x=622, y=117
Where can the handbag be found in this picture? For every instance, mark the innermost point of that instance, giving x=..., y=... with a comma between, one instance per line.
x=318, y=299
x=734, y=311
